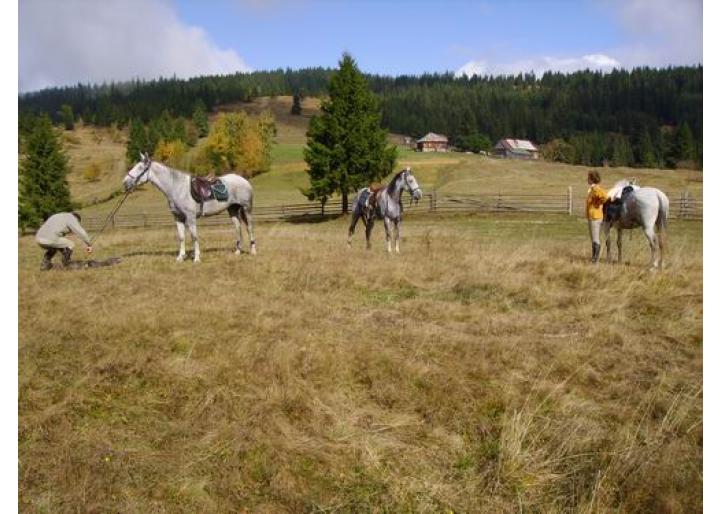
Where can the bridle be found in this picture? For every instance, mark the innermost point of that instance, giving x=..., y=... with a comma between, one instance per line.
x=411, y=191
x=140, y=175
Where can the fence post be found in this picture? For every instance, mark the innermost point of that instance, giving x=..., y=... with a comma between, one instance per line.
x=569, y=200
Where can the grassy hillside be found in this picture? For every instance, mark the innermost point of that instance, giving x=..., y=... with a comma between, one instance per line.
x=488, y=368
x=448, y=173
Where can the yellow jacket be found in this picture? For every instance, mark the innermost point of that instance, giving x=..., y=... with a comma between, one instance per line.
x=595, y=200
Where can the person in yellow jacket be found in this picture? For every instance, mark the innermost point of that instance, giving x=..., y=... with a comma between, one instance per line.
x=596, y=198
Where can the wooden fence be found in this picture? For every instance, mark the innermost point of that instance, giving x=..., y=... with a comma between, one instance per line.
x=682, y=206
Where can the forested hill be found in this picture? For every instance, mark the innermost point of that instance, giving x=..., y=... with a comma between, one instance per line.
x=646, y=116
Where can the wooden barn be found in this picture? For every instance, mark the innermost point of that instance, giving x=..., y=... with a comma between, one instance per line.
x=432, y=142
x=516, y=149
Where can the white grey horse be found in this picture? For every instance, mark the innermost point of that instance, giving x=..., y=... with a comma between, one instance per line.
x=631, y=206
x=384, y=203
x=175, y=185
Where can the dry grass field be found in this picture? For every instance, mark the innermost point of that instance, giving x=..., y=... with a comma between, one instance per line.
x=487, y=368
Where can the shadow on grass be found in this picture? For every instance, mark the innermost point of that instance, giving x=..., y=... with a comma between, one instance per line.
x=312, y=218
x=173, y=253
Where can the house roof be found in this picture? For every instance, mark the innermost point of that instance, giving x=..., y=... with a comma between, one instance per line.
x=516, y=144
x=433, y=137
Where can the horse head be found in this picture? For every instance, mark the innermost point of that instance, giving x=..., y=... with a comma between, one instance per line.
x=138, y=174
x=411, y=184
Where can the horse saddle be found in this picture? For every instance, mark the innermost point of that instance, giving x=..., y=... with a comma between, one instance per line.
x=375, y=188
x=203, y=189
x=373, y=192
x=612, y=210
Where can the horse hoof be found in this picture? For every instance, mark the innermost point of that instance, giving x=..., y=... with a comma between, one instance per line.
x=180, y=258
x=253, y=251
x=238, y=252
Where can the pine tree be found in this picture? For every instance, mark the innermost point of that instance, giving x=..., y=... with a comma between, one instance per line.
x=43, y=184
x=296, y=108
x=346, y=147
x=685, y=143
x=646, y=151
x=68, y=119
x=621, y=151
x=200, y=119
x=137, y=142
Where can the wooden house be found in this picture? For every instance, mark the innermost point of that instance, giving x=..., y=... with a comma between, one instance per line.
x=432, y=142
x=516, y=149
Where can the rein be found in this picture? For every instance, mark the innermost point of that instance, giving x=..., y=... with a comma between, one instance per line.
x=122, y=200
x=112, y=213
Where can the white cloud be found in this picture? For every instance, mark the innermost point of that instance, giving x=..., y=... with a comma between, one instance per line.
x=660, y=32
x=540, y=65
x=70, y=41
x=472, y=68
x=655, y=33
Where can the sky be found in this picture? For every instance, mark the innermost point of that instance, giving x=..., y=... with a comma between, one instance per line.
x=71, y=41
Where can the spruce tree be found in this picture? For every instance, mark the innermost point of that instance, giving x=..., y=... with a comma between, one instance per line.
x=296, y=108
x=685, y=143
x=646, y=151
x=200, y=119
x=347, y=148
x=137, y=142
x=67, y=116
x=43, y=184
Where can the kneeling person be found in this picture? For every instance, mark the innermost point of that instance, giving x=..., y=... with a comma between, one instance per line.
x=51, y=237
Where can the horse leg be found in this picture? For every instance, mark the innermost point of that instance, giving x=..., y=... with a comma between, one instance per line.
x=238, y=228
x=247, y=218
x=351, y=229
x=388, y=232
x=606, y=234
x=650, y=234
x=181, y=240
x=661, y=234
x=397, y=236
x=619, y=245
x=192, y=226
x=368, y=230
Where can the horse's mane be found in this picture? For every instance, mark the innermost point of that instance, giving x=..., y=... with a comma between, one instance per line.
x=393, y=183
x=174, y=171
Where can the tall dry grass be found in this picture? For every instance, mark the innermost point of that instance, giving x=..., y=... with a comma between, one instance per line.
x=487, y=368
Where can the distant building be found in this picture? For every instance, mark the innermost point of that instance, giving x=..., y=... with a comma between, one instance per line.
x=432, y=142
x=516, y=149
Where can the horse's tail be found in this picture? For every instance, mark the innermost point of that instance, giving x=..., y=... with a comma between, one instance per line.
x=661, y=223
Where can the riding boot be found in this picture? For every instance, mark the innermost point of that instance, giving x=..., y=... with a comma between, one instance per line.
x=595, y=252
x=47, y=259
x=66, y=254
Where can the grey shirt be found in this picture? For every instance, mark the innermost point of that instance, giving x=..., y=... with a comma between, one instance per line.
x=58, y=225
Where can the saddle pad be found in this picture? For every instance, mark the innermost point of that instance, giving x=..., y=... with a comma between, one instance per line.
x=220, y=191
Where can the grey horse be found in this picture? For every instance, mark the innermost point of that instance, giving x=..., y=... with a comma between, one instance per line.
x=175, y=185
x=631, y=206
x=384, y=203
